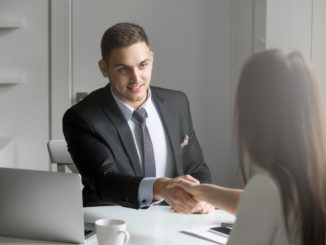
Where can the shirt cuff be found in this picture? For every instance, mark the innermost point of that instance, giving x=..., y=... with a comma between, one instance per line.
x=145, y=192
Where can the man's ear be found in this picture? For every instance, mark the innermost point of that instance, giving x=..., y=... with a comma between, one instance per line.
x=103, y=67
x=152, y=55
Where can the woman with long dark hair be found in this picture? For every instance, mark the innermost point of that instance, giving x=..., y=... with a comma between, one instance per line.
x=281, y=128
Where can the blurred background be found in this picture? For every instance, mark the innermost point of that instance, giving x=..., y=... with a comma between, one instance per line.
x=49, y=51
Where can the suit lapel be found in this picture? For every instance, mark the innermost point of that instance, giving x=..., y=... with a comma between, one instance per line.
x=113, y=112
x=170, y=122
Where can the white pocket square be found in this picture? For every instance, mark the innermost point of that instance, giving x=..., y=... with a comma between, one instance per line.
x=184, y=141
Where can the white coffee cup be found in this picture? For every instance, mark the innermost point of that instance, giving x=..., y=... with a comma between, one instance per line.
x=111, y=232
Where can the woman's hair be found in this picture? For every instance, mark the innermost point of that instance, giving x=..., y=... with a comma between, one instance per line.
x=281, y=126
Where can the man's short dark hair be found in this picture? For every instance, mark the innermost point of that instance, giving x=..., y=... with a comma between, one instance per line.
x=121, y=35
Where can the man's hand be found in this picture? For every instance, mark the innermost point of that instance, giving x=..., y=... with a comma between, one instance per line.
x=205, y=208
x=179, y=200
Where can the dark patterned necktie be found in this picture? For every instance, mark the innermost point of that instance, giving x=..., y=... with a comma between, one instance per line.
x=140, y=116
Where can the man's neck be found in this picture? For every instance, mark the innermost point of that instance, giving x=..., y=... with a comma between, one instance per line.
x=135, y=105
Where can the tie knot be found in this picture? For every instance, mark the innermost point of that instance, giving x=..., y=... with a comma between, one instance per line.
x=140, y=116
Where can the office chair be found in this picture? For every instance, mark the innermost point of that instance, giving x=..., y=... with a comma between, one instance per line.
x=59, y=155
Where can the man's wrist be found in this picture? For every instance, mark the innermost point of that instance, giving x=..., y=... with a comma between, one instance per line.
x=159, y=187
x=145, y=192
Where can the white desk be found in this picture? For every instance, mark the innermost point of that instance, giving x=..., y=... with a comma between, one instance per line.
x=157, y=225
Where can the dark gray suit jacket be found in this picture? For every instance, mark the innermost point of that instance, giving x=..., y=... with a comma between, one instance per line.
x=102, y=146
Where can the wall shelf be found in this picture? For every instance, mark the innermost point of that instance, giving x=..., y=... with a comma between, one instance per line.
x=12, y=77
x=12, y=21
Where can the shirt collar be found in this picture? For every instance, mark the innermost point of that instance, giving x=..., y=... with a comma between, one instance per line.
x=128, y=110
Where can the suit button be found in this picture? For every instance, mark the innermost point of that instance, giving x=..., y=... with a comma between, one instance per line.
x=144, y=201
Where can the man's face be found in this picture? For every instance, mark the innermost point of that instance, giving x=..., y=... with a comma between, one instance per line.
x=129, y=70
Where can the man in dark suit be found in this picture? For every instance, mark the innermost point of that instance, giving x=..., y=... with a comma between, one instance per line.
x=128, y=139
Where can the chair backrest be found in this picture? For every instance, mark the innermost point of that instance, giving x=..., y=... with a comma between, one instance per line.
x=59, y=155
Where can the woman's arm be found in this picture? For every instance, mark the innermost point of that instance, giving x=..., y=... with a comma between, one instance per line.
x=220, y=197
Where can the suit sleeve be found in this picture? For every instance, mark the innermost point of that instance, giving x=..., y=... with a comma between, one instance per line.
x=193, y=160
x=95, y=162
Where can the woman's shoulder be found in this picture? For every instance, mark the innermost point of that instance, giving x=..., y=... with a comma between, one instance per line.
x=263, y=182
x=259, y=210
x=262, y=191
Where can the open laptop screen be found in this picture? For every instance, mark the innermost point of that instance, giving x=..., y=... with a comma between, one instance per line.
x=41, y=205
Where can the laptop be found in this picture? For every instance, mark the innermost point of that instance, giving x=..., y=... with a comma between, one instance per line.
x=41, y=205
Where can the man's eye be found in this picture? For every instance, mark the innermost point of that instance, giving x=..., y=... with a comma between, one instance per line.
x=122, y=69
x=143, y=65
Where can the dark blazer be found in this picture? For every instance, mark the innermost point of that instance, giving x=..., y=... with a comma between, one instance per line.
x=102, y=146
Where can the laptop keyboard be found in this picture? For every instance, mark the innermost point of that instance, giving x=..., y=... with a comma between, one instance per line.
x=88, y=233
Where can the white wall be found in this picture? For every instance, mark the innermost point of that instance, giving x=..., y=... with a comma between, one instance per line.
x=243, y=29
x=191, y=40
x=289, y=25
x=299, y=24
x=211, y=101
x=319, y=42
x=24, y=108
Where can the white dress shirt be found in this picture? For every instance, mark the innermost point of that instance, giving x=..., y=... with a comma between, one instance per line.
x=164, y=162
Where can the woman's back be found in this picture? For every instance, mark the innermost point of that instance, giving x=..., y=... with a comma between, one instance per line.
x=260, y=218
x=281, y=124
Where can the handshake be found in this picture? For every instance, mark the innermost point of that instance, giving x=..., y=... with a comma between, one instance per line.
x=179, y=193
